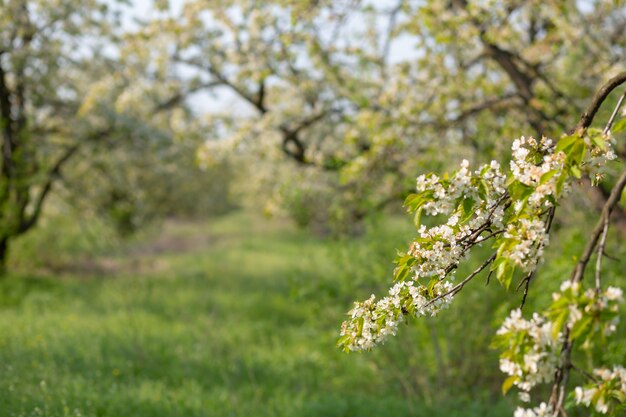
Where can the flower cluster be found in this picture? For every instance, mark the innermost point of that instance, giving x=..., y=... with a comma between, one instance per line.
x=473, y=200
x=541, y=172
x=514, y=209
x=544, y=410
x=372, y=322
x=588, y=313
x=534, y=188
x=529, y=237
x=532, y=165
x=531, y=351
x=609, y=387
x=445, y=193
x=601, y=151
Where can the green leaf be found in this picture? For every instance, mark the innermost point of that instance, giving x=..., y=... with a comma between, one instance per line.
x=505, y=274
x=360, y=323
x=414, y=201
x=401, y=272
x=418, y=217
x=619, y=126
x=343, y=340
x=497, y=262
x=508, y=383
x=468, y=209
x=558, y=323
x=499, y=341
x=558, y=305
x=483, y=189
x=598, y=140
x=411, y=200
x=580, y=327
x=431, y=285
x=468, y=205
x=576, y=153
x=560, y=183
x=546, y=177
x=576, y=172
x=519, y=191
x=380, y=321
x=566, y=142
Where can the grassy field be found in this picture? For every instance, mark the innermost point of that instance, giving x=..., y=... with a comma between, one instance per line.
x=234, y=317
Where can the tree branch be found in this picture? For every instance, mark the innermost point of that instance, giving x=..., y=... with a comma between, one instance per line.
x=600, y=252
x=53, y=174
x=458, y=287
x=6, y=123
x=178, y=97
x=598, y=236
x=291, y=135
x=605, y=216
x=391, y=25
x=607, y=128
x=598, y=99
x=221, y=79
x=257, y=102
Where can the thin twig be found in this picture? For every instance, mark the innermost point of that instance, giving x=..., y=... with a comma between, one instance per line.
x=584, y=373
x=600, y=251
x=488, y=277
x=526, y=288
x=611, y=257
x=458, y=287
x=565, y=376
x=489, y=236
x=610, y=204
x=607, y=128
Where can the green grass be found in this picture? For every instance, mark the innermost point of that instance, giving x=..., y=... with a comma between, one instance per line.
x=236, y=317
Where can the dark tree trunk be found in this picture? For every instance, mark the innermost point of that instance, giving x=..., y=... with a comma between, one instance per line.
x=4, y=252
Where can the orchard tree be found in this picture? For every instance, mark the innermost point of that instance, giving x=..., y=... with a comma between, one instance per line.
x=45, y=53
x=149, y=177
x=512, y=211
x=340, y=102
x=485, y=71
x=68, y=103
x=299, y=72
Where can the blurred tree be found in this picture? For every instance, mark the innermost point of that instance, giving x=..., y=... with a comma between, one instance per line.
x=362, y=95
x=295, y=85
x=74, y=112
x=140, y=183
x=46, y=51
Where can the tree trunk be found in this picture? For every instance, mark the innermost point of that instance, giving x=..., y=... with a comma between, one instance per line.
x=4, y=252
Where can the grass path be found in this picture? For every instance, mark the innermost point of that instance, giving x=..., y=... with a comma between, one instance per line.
x=210, y=319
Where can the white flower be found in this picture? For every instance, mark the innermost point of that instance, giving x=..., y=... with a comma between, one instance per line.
x=542, y=411
x=602, y=406
x=583, y=396
x=614, y=294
